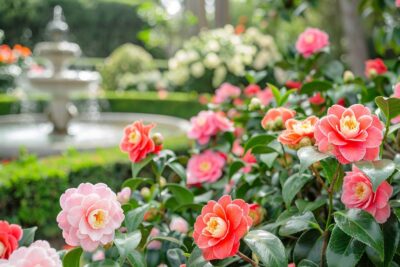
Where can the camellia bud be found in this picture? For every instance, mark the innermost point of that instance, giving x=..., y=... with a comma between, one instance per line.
x=255, y=104
x=158, y=139
x=306, y=141
x=348, y=76
x=163, y=182
x=372, y=73
x=108, y=245
x=257, y=213
x=145, y=192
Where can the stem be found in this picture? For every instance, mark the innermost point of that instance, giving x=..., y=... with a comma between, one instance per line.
x=247, y=259
x=284, y=155
x=319, y=179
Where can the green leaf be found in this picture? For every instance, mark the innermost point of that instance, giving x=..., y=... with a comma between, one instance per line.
x=138, y=166
x=285, y=97
x=308, y=246
x=343, y=250
x=307, y=263
x=261, y=139
x=182, y=195
x=133, y=183
x=175, y=257
x=27, y=237
x=261, y=149
x=168, y=239
x=329, y=167
x=135, y=217
x=127, y=242
x=394, y=128
x=275, y=92
x=391, y=235
x=267, y=247
x=298, y=223
x=377, y=171
x=304, y=205
x=363, y=227
x=235, y=167
x=390, y=107
x=315, y=86
x=73, y=258
x=104, y=263
x=136, y=259
x=309, y=155
x=293, y=185
x=196, y=259
x=178, y=169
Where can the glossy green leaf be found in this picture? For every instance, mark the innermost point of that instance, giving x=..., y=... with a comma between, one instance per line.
x=304, y=205
x=309, y=155
x=28, y=236
x=133, y=183
x=343, y=250
x=276, y=92
x=363, y=227
x=315, y=86
x=261, y=139
x=269, y=159
x=72, y=258
x=285, y=97
x=178, y=169
x=261, y=149
x=298, y=223
x=138, y=166
x=267, y=247
x=136, y=259
x=377, y=171
x=127, y=242
x=135, y=217
x=104, y=263
x=235, y=167
x=293, y=185
x=390, y=106
x=309, y=246
x=167, y=239
x=196, y=259
x=307, y=263
x=391, y=235
x=175, y=257
x=182, y=194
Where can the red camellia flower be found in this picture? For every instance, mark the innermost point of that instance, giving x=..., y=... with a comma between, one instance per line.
x=10, y=234
x=137, y=141
x=358, y=194
x=293, y=84
x=220, y=226
x=374, y=67
x=252, y=90
x=317, y=99
x=350, y=134
x=257, y=213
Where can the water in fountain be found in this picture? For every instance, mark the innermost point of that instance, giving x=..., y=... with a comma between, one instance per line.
x=62, y=127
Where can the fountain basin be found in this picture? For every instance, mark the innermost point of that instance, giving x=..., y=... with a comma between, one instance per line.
x=34, y=132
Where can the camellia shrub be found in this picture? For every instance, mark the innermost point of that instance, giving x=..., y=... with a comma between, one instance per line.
x=294, y=175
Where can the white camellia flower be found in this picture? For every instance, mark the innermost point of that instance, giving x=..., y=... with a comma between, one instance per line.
x=197, y=69
x=178, y=76
x=261, y=60
x=212, y=61
x=213, y=46
x=236, y=66
x=219, y=76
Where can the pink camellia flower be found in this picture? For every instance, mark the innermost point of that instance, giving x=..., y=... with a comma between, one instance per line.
x=265, y=96
x=124, y=195
x=220, y=226
x=90, y=215
x=311, y=41
x=291, y=265
x=155, y=244
x=205, y=167
x=350, y=134
x=38, y=253
x=207, y=124
x=257, y=213
x=397, y=3
x=226, y=92
x=396, y=93
x=179, y=224
x=137, y=141
x=250, y=160
x=374, y=67
x=276, y=118
x=98, y=255
x=237, y=148
x=317, y=99
x=358, y=194
x=298, y=133
x=10, y=234
x=252, y=90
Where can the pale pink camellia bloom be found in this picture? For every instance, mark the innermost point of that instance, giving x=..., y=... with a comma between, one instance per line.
x=396, y=93
x=298, y=133
x=98, y=255
x=39, y=253
x=350, y=134
x=206, y=167
x=124, y=195
x=317, y=99
x=226, y=92
x=358, y=194
x=207, y=124
x=137, y=141
x=179, y=224
x=311, y=41
x=265, y=96
x=277, y=117
x=155, y=244
x=90, y=215
x=220, y=226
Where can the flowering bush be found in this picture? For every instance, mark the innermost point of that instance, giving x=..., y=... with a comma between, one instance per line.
x=220, y=55
x=286, y=182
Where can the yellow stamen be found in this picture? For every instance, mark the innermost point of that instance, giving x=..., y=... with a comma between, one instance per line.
x=98, y=218
x=216, y=227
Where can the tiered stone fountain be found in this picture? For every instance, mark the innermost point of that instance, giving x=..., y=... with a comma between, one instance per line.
x=61, y=127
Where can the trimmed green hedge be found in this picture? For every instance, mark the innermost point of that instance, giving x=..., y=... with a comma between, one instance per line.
x=183, y=105
x=30, y=188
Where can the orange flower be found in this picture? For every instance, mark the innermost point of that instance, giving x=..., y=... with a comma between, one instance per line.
x=6, y=54
x=21, y=51
x=276, y=118
x=298, y=133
